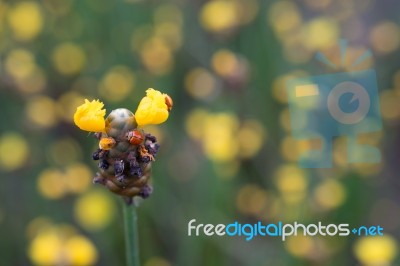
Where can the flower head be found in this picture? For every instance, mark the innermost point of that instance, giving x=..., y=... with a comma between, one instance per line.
x=90, y=116
x=152, y=109
x=126, y=153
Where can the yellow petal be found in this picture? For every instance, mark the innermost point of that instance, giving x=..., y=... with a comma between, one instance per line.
x=90, y=116
x=152, y=109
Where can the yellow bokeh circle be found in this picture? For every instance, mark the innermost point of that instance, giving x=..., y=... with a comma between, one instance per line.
x=14, y=151
x=69, y=58
x=376, y=250
x=117, y=83
x=330, y=194
x=20, y=63
x=25, y=20
x=94, y=210
x=219, y=15
x=200, y=83
x=41, y=110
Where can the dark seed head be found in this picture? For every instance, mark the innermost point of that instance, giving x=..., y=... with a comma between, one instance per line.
x=96, y=154
x=131, y=156
x=136, y=171
x=125, y=164
x=151, y=138
x=144, y=159
x=152, y=148
x=134, y=167
x=146, y=191
x=103, y=164
x=103, y=154
x=119, y=166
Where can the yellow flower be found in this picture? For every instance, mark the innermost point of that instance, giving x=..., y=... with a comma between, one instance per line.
x=153, y=108
x=90, y=116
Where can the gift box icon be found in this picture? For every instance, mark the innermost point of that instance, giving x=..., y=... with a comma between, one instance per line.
x=335, y=105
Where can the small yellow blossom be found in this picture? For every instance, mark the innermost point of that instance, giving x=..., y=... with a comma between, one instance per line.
x=152, y=109
x=90, y=116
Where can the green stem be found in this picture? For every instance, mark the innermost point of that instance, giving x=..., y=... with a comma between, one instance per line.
x=131, y=235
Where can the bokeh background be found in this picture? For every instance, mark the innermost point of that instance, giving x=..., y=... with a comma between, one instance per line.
x=226, y=154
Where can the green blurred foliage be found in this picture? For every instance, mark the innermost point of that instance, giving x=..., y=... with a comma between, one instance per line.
x=226, y=153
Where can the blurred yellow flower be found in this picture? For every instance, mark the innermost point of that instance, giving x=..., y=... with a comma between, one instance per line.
x=33, y=83
x=384, y=37
x=152, y=109
x=224, y=138
x=50, y=184
x=330, y=194
x=292, y=183
x=220, y=141
x=80, y=251
x=78, y=178
x=252, y=199
x=321, y=33
x=170, y=33
x=224, y=63
x=195, y=121
x=64, y=151
x=120, y=77
x=14, y=151
x=41, y=111
x=251, y=137
x=54, y=183
x=69, y=58
x=90, y=116
x=201, y=84
x=25, y=20
x=300, y=246
x=44, y=248
x=376, y=250
x=389, y=102
x=156, y=56
x=94, y=210
x=219, y=15
x=284, y=16
x=20, y=63
x=61, y=245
